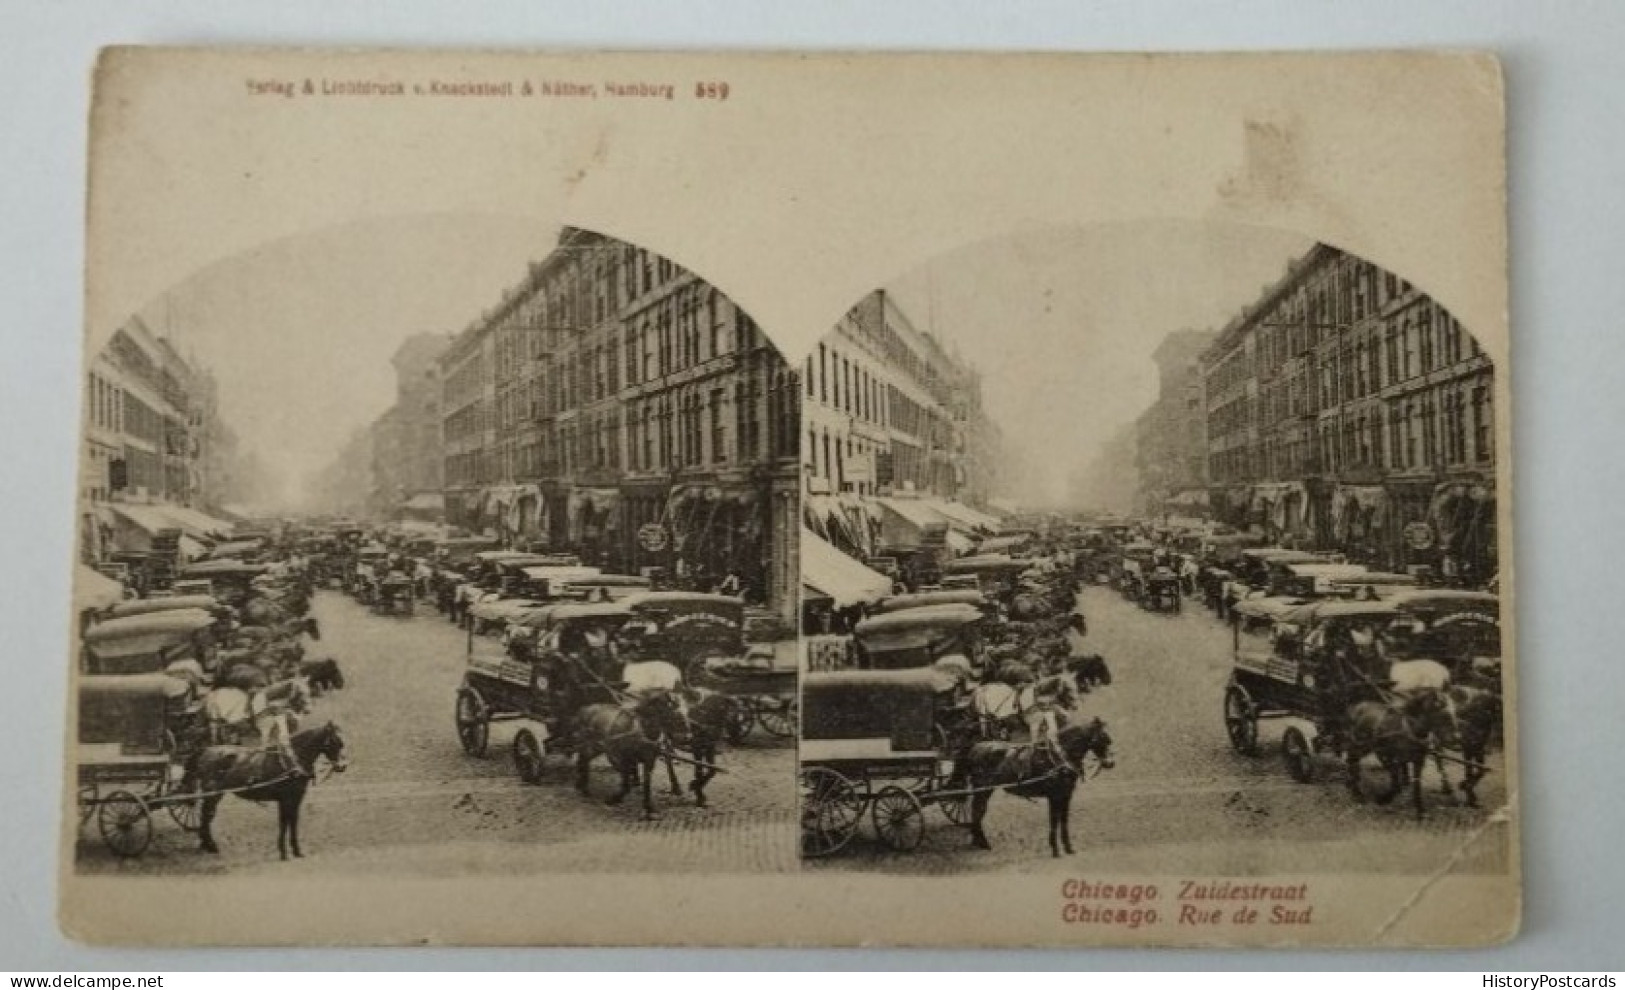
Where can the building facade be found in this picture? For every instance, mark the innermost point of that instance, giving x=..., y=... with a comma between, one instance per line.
x=152, y=436
x=616, y=405
x=1347, y=409
x=1171, y=436
x=407, y=461
x=888, y=410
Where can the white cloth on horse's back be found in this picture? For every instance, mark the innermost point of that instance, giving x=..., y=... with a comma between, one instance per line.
x=1413, y=676
x=651, y=677
x=227, y=704
x=998, y=700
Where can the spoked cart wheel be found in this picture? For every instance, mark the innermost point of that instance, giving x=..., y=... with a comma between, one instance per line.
x=527, y=756
x=187, y=811
x=956, y=809
x=125, y=824
x=473, y=722
x=1299, y=755
x=1241, y=720
x=830, y=812
x=898, y=818
x=780, y=721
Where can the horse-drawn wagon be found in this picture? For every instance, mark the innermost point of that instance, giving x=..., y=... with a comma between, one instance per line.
x=525, y=679
x=871, y=746
x=139, y=720
x=392, y=594
x=1161, y=591
x=1354, y=678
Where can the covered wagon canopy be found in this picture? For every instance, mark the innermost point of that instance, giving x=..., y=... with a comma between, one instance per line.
x=831, y=573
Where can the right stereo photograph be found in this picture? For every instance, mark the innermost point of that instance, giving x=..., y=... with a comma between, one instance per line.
x=1166, y=548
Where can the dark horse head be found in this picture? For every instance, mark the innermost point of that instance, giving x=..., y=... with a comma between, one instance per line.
x=326, y=741
x=1087, y=739
x=665, y=714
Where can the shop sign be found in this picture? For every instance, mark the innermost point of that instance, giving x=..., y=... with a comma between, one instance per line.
x=652, y=537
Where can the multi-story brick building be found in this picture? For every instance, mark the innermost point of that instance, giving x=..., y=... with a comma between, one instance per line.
x=1345, y=408
x=151, y=418
x=895, y=436
x=617, y=405
x=1171, y=435
x=407, y=462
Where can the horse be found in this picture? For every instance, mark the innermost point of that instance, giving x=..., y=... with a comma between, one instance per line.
x=1400, y=734
x=1477, y=718
x=1050, y=771
x=322, y=675
x=261, y=776
x=632, y=739
x=1089, y=672
x=709, y=716
x=245, y=677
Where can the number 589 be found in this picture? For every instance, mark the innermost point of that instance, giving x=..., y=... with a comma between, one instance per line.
x=711, y=90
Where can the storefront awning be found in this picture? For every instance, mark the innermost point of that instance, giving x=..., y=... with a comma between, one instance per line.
x=93, y=589
x=962, y=517
x=1003, y=544
x=915, y=512
x=831, y=573
x=146, y=518
x=195, y=523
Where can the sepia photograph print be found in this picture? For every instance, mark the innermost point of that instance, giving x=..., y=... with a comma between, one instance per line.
x=1155, y=547
x=440, y=546
x=695, y=499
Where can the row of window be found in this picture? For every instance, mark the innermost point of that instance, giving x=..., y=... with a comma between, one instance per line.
x=1449, y=427
x=693, y=427
x=829, y=454
x=106, y=404
x=840, y=382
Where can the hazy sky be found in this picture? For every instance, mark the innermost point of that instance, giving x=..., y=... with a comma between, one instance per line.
x=300, y=332
x=1062, y=323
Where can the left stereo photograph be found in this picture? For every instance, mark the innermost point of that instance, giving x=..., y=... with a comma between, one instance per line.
x=445, y=545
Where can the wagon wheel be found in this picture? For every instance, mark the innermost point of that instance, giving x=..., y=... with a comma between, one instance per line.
x=1241, y=720
x=956, y=809
x=473, y=722
x=830, y=812
x=741, y=716
x=187, y=811
x=125, y=824
x=781, y=722
x=88, y=796
x=1300, y=757
x=527, y=756
x=899, y=820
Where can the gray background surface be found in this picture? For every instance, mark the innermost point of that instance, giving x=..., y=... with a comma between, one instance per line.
x=1565, y=73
